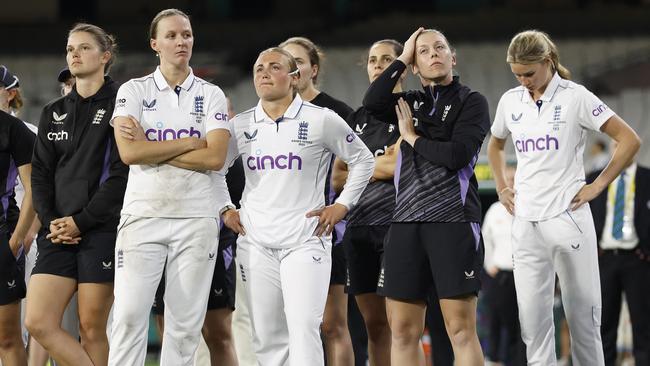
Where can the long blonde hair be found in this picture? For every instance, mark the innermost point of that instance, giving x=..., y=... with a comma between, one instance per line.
x=533, y=46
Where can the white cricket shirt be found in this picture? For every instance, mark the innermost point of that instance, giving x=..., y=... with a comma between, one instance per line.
x=195, y=108
x=549, y=138
x=286, y=163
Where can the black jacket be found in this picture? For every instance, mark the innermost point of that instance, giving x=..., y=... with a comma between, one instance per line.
x=76, y=168
x=436, y=181
x=641, y=207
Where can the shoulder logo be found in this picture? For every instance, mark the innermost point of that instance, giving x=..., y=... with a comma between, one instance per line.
x=107, y=265
x=11, y=284
x=58, y=118
x=469, y=275
x=99, y=115
x=516, y=118
x=250, y=136
x=446, y=111
x=359, y=129
x=218, y=292
x=417, y=105
x=317, y=259
x=148, y=105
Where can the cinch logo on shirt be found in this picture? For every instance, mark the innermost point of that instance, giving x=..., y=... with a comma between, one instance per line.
x=282, y=162
x=598, y=110
x=57, y=136
x=543, y=143
x=160, y=134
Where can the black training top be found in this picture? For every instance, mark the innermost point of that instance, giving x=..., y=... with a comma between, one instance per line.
x=435, y=179
x=16, y=146
x=76, y=168
x=377, y=203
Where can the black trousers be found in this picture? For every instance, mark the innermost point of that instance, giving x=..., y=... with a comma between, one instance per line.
x=623, y=271
x=505, y=343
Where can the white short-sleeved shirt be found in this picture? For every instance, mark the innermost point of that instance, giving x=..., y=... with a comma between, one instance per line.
x=549, y=138
x=195, y=108
x=286, y=163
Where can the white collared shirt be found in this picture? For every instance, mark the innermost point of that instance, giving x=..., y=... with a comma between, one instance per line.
x=162, y=190
x=549, y=143
x=497, y=237
x=630, y=238
x=286, y=163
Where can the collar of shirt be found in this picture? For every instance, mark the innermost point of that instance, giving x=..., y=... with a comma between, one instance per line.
x=291, y=112
x=161, y=83
x=548, y=92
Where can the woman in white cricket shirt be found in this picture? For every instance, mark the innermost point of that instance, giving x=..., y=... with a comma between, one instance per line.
x=553, y=230
x=284, y=252
x=174, y=135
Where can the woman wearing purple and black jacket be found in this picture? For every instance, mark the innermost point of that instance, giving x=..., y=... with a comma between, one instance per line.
x=434, y=243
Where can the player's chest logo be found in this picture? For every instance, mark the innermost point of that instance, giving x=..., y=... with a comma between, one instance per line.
x=557, y=119
x=516, y=118
x=250, y=136
x=445, y=112
x=148, y=106
x=99, y=115
x=197, y=110
x=359, y=129
x=302, y=134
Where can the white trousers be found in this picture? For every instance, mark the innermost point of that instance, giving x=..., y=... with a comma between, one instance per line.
x=566, y=245
x=242, y=333
x=143, y=244
x=286, y=291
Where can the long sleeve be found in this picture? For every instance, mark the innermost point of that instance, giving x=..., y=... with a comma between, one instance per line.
x=467, y=137
x=43, y=165
x=107, y=200
x=223, y=195
x=345, y=144
x=380, y=100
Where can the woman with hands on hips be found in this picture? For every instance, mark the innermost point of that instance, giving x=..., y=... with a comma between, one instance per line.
x=553, y=230
x=284, y=252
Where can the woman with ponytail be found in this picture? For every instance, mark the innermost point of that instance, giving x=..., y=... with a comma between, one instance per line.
x=553, y=230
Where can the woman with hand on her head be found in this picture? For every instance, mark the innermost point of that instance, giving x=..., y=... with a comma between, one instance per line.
x=78, y=186
x=553, y=229
x=286, y=145
x=433, y=245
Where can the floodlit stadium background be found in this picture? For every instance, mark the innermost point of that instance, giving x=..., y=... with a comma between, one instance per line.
x=604, y=43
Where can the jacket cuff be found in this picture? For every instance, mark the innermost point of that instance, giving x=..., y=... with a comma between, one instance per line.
x=84, y=221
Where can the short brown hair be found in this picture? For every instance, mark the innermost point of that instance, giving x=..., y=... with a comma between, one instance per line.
x=105, y=41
